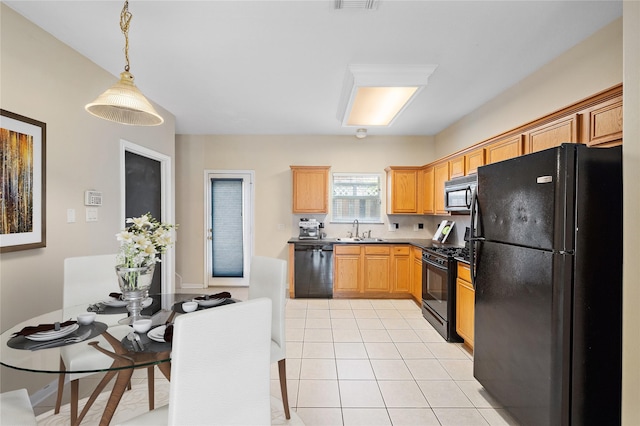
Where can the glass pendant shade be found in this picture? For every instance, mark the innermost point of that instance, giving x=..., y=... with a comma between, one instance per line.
x=123, y=103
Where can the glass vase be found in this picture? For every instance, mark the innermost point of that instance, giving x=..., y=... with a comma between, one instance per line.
x=134, y=285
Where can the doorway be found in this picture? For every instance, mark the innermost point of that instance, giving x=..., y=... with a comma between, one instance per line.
x=229, y=219
x=145, y=187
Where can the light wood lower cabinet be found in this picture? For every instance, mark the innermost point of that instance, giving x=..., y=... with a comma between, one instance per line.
x=416, y=274
x=374, y=270
x=377, y=269
x=347, y=270
x=401, y=269
x=465, y=304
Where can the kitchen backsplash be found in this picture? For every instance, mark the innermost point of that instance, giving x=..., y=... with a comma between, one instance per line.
x=405, y=227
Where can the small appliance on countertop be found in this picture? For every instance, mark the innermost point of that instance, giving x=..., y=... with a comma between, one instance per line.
x=309, y=229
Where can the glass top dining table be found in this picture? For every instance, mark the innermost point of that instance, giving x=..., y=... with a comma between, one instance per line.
x=17, y=352
x=144, y=350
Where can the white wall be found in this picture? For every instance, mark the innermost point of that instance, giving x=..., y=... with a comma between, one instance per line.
x=43, y=79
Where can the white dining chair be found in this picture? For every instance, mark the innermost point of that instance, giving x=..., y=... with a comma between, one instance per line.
x=16, y=409
x=268, y=278
x=87, y=280
x=219, y=368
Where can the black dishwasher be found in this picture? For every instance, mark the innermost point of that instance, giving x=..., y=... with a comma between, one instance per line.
x=314, y=270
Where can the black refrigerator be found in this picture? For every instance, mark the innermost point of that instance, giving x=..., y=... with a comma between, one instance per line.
x=547, y=238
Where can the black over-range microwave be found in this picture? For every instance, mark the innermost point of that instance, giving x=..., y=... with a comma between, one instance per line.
x=458, y=193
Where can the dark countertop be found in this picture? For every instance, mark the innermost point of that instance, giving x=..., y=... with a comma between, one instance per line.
x=462, y=260
x=416, y=242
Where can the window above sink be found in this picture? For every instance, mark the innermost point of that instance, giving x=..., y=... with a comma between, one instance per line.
x=356, y=196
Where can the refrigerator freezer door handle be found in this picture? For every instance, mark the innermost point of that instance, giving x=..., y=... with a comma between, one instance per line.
x=472, y=237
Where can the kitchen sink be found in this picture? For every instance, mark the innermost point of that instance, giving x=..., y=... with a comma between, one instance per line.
x=358, y=240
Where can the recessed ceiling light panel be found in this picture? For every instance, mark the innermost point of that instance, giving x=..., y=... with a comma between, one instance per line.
x=374, y=95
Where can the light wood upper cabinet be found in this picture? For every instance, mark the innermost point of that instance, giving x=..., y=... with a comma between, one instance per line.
x=456, y=167
x=602, y=124
x=504, y=149
x=310, y=189
x=473, y=160
x=401, y=260
x=440, y=176
x=428, y=206
x=552, y=134
x=402, y=190
x=377, y=268
x=465, y=305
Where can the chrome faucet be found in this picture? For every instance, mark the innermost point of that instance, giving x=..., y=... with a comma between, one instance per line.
x=357, y=225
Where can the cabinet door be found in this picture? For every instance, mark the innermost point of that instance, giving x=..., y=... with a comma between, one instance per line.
x=416, y=274
x=552, y=134
x=347, y=270
x=441, y=175
x=402, y=191
x=401, y=269
x=465, y=305
x=602, y=124
x=504, y=149
x=473, y=160
x=428, y=206
x=377, y=269
x=456, y=167
x=310, y=189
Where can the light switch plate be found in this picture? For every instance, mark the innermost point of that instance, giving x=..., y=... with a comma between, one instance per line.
x=91, y=214
x=71, y=215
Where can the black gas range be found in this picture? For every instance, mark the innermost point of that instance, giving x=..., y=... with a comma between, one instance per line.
x=439, y=271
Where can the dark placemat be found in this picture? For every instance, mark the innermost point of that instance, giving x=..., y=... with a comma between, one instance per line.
x=96, y=328
x=177, y=307
x=148, y=344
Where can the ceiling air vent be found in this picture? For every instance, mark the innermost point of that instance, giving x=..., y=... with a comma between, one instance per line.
x=355, y=4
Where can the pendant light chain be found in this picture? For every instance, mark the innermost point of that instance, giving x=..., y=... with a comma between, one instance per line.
x=125, y=20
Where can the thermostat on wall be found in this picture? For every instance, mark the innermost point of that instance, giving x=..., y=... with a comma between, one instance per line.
x=92, y=198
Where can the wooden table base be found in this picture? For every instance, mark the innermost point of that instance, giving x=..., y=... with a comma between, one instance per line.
x=124, y=362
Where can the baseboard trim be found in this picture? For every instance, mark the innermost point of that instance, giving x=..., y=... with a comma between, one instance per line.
x=45, y=392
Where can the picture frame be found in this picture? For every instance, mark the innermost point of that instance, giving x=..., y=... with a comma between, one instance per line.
x=22, y=182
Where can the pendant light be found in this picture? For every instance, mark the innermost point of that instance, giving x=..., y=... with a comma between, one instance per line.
x=123, y=102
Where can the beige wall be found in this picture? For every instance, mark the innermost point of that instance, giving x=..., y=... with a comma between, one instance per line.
x=631, y=176
x=46, y=80
x=591, y=66
x=270, y=158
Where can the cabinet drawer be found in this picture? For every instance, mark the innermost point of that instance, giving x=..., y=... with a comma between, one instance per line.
x=346, y=249
x=401, y=250
x=377, y=249
x=463, y=272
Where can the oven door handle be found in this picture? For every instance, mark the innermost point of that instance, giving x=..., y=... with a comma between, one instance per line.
x=437, y=265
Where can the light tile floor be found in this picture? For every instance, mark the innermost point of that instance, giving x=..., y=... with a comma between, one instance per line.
x=368, y=362
x=378, y=362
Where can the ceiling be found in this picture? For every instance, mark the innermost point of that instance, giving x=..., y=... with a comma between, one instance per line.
x=277, y=67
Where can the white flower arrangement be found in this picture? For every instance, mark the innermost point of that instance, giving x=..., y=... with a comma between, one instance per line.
x=142, y=243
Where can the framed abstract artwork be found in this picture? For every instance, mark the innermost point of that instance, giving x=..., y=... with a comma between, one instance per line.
x=22, y=182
